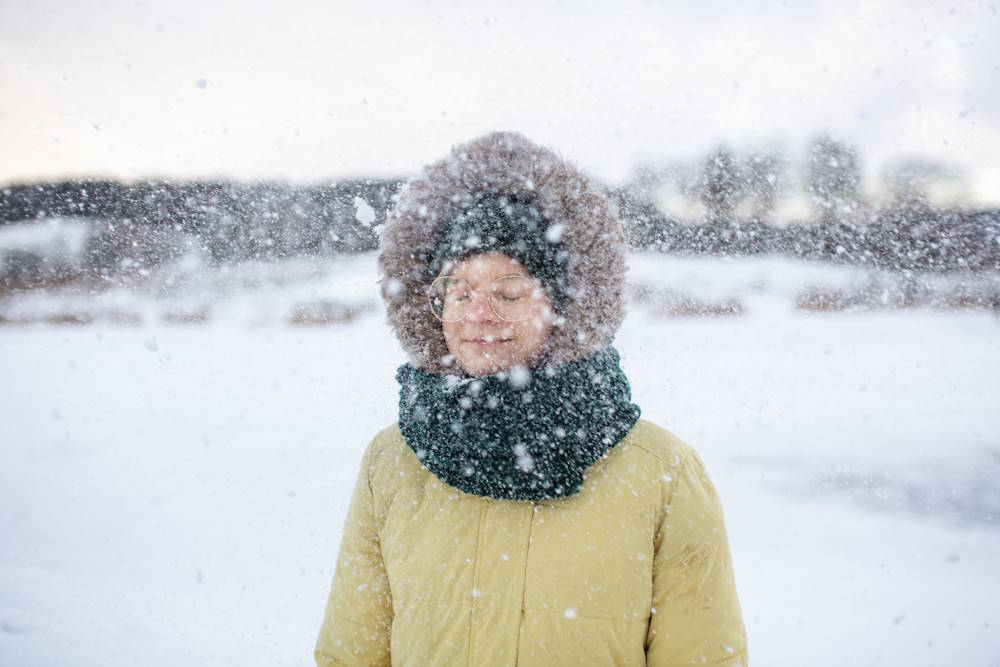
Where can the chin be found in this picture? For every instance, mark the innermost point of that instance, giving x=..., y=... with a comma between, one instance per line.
x=480, y=367
x=475, y=362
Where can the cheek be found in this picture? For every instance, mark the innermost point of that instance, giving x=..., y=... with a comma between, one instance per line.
x=535, y=332
x=450, y=333
x=539, y=325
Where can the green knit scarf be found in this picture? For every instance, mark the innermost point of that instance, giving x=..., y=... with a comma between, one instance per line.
x=517, y=435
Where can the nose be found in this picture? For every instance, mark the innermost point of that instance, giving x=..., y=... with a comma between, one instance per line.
x=479, y=308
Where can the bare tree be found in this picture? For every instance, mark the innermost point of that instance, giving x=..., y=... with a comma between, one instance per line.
x=833, y=178
x=910, y=181
x=721, y=185
x=764, y=175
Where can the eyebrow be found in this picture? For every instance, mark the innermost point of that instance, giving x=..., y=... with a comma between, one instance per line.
x=505, y=275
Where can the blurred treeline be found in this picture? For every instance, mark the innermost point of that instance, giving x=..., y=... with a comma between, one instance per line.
x=232, y=221
x=134, y=229
x=729, y=204
x=815, y=208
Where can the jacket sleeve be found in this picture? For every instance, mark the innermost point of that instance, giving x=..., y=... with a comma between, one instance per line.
x=696, y=616
x=358, y=617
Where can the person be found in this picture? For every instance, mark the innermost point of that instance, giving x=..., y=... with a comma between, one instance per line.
x=520, y=512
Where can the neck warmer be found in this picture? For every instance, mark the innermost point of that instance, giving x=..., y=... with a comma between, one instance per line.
x=517, y=435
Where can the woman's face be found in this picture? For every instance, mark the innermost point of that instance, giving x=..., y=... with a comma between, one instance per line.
x=483, y=342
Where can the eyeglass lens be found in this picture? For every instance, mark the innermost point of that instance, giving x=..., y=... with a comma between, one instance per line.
x=510, y=297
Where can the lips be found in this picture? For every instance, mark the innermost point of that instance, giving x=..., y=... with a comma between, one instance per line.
x=489, y=340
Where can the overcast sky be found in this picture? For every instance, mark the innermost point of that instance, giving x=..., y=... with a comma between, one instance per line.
x=311, y=91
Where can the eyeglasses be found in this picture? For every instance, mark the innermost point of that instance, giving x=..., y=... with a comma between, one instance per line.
x=512, y=298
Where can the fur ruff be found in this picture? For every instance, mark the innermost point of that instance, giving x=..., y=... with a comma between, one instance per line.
x=505, y=163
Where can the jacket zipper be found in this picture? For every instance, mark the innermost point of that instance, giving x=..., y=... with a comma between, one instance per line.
x=484, y=506
x=524, y=581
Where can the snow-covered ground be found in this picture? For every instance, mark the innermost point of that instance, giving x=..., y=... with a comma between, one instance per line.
x=173, y=493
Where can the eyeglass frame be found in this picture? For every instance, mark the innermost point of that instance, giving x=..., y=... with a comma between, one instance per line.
x=489, y=300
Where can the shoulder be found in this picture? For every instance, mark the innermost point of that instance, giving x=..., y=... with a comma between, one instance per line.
x=388, y=453
x=658, y=443
x=390, y=464
x=684, y=473
x=387, y=442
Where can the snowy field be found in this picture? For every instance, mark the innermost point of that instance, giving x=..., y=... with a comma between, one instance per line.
x=172, y=493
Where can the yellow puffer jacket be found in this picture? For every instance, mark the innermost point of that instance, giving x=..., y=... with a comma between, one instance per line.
x=632, y=570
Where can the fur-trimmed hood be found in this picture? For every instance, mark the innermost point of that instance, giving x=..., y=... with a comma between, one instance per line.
x=576, y=208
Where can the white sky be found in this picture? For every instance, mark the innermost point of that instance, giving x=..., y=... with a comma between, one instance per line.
x=310, y=91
